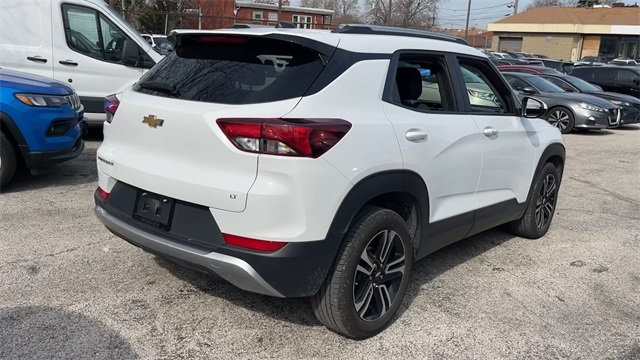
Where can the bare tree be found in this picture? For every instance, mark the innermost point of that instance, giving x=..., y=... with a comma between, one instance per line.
x=404, y=13
x=545, y=3
x=346, y=11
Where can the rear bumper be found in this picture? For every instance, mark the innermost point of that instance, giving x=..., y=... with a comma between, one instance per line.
x=234, y=270
x=195, y=240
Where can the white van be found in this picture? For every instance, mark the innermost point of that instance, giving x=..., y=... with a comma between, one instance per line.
x=82, y=42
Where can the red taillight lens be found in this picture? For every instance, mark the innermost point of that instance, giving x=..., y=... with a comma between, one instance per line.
x=292, y=137
x=111, y=103
x=253, y=244
x=103, y=194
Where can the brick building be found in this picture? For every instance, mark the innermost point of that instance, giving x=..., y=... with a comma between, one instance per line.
x=224, y=13
x=571, y=33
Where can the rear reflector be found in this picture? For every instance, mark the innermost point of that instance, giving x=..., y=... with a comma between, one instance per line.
x=289, y=137
x=103, y=194
x=253, y=244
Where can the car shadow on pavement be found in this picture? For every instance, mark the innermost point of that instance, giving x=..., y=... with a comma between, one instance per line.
x=42, y=332
x=593, y=133
x=291, y=310
x=629, y=128
x=298, y=310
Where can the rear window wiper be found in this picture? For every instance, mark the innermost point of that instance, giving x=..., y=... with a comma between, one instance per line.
x=160, y=87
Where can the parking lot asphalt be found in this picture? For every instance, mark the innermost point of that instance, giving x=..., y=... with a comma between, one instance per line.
x=69, y=289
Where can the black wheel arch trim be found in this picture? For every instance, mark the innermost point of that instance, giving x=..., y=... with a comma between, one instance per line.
x=552, y=150
x=378, y=184
x=7, y=123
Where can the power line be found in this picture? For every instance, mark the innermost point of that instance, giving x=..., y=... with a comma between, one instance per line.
x=488, y=7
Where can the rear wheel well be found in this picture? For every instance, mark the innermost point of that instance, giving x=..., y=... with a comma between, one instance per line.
x=404, y=205
x=557, y=161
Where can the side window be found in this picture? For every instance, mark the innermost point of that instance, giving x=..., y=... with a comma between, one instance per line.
x=487, y=92
x=422, y=83
x=81, y=31
x=113, y=38
x=93, y=35
x=625, y=76
x=516, y=83
x=604, y=74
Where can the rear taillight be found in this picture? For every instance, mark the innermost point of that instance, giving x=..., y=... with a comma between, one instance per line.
x=289, y=137
x=253, y=244
x=103, y=194
x=111, y=103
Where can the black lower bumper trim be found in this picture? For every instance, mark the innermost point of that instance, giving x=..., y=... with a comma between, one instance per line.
x=47, y=159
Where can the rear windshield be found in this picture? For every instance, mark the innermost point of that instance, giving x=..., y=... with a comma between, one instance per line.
x=233, y=70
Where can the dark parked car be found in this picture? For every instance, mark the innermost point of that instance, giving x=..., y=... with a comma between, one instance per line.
x=562, y=66
x=528, y=69
x=567, y=111
x=620, y=79
x=629, y=104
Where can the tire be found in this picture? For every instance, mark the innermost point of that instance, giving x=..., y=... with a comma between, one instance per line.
x=537, y=218
x=363, y=292
x=562, y=118
x=8, y=160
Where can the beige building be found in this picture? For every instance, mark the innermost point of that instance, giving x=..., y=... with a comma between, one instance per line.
x=571, y=33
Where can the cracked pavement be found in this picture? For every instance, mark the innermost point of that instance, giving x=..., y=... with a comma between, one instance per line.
x=70, y=289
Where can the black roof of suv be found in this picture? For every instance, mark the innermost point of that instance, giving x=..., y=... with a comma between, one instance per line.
x=620, y=79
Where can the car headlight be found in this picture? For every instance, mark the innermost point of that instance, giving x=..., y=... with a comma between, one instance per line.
x=482, y=95
x=620, y=103
x=42, y=100
x=590, y=107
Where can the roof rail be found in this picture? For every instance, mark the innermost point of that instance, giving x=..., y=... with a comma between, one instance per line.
x=396, y=31
x=281, y=24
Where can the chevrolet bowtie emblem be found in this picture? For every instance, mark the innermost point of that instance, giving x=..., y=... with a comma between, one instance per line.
x=153, y=121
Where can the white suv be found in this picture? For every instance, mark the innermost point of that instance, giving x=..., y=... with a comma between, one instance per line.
x=303, y=163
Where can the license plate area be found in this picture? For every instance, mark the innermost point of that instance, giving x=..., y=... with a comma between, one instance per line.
x=154, y=209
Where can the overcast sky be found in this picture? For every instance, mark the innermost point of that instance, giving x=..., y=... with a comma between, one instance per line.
x=452, y=13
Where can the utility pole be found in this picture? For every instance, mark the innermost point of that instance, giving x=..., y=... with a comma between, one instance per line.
x=279, y=11
x=124, y=16
x=515, y=7
x=466, y=29
x=389, y=14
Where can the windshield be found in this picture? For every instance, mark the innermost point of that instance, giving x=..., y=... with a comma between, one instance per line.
x=581, y=85
x=544, y=85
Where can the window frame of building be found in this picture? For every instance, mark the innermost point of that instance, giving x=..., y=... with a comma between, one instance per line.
x=302, y=24
x=257, y=18
x=272, y=16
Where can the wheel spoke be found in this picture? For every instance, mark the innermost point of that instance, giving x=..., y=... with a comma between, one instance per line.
x=384, y=245
x=539, y=217
x=366, y=263
x=551, y=187
x=363, y=301
x=389, y=277
x=383, y=299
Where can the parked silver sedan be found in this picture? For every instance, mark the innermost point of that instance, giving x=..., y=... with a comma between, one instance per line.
x=567, y=111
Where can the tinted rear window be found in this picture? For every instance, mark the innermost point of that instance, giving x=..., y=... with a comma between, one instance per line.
x=233, y=70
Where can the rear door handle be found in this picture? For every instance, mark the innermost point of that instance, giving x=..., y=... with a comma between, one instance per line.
x=416, y=135
x=489, y=132
x=37, y=58
x=68, y=62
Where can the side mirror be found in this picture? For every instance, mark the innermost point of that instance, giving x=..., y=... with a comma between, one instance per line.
x=529, y=91
x=130, y=53
x=533, y=108
x=636, y=81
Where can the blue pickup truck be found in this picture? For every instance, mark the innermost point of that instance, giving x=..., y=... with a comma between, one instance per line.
x=41, y=123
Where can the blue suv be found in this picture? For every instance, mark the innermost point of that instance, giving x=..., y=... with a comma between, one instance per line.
x=41, y=123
